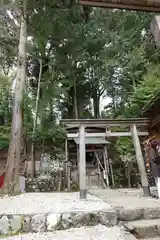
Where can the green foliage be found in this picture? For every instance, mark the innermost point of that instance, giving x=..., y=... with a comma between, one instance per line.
x=53, y=137
x=125, y=146
x=144, y=92
x=4, y=137
x=5, y=111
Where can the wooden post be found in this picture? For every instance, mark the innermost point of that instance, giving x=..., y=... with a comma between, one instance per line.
x=105, y=156
x=69, y=175
x=60, y=181
x=78, y=163
x=140, y=161
x=111, y=170
x=101, y=180
x=82, y=163
x=66, y=162
x=66, y=150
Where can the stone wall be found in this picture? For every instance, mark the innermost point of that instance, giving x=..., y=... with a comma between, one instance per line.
x=15, y=224
x=53, y=183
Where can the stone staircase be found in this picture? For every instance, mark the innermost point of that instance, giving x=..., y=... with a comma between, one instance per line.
x=144, y=229
x=139, y=215
x=130, y=216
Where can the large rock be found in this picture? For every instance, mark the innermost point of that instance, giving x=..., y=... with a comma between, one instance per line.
x=66, y=221
x=53, y=221
x=130, y=214
x=44, y=183
x=16, y=224
x=108, y=218
x=26, y=224
x=83, y=219
x=38, y=223
x=4, y=225
x=79, y=219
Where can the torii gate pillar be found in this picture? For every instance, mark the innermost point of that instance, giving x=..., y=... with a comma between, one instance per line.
x=82, y=163
x=155, y=29
x=140, y=161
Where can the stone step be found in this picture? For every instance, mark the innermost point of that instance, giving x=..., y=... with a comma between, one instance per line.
x=144, y=228
x=154, y=238
x=12, y=224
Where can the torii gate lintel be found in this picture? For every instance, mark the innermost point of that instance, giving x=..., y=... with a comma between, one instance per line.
x=148, y=5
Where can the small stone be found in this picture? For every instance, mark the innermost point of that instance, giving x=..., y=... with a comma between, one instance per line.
x=94, y=218
x=53, y=221
x=4, y=225
x=38, y=223
x=108, y=218
x=66, y=221
x=26, y=224
x=81, y=219
x=78, y=219
x=130, y=214
x=16, y=224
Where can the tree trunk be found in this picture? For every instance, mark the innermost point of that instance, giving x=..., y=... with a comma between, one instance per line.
x=75, y=99
x=113, y=102
x=80, y=104
x=112, y=175
x=96, y=103
x=11, y=183
x=128, y=174
x=129, y=180
x=33, y=168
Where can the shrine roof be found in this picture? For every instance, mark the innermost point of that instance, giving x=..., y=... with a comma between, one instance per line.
x=72, y=123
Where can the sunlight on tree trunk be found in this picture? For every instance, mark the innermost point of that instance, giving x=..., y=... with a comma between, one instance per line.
x=33, y=169
x=11, y=183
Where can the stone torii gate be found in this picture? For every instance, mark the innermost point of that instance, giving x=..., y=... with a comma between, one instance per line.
x=105, y=123
x=140, y=5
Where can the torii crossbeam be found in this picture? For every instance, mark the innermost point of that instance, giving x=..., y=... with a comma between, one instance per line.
x=139, y=5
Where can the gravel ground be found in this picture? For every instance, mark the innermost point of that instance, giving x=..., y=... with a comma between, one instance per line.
x=36, y=203
x=98, y=232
